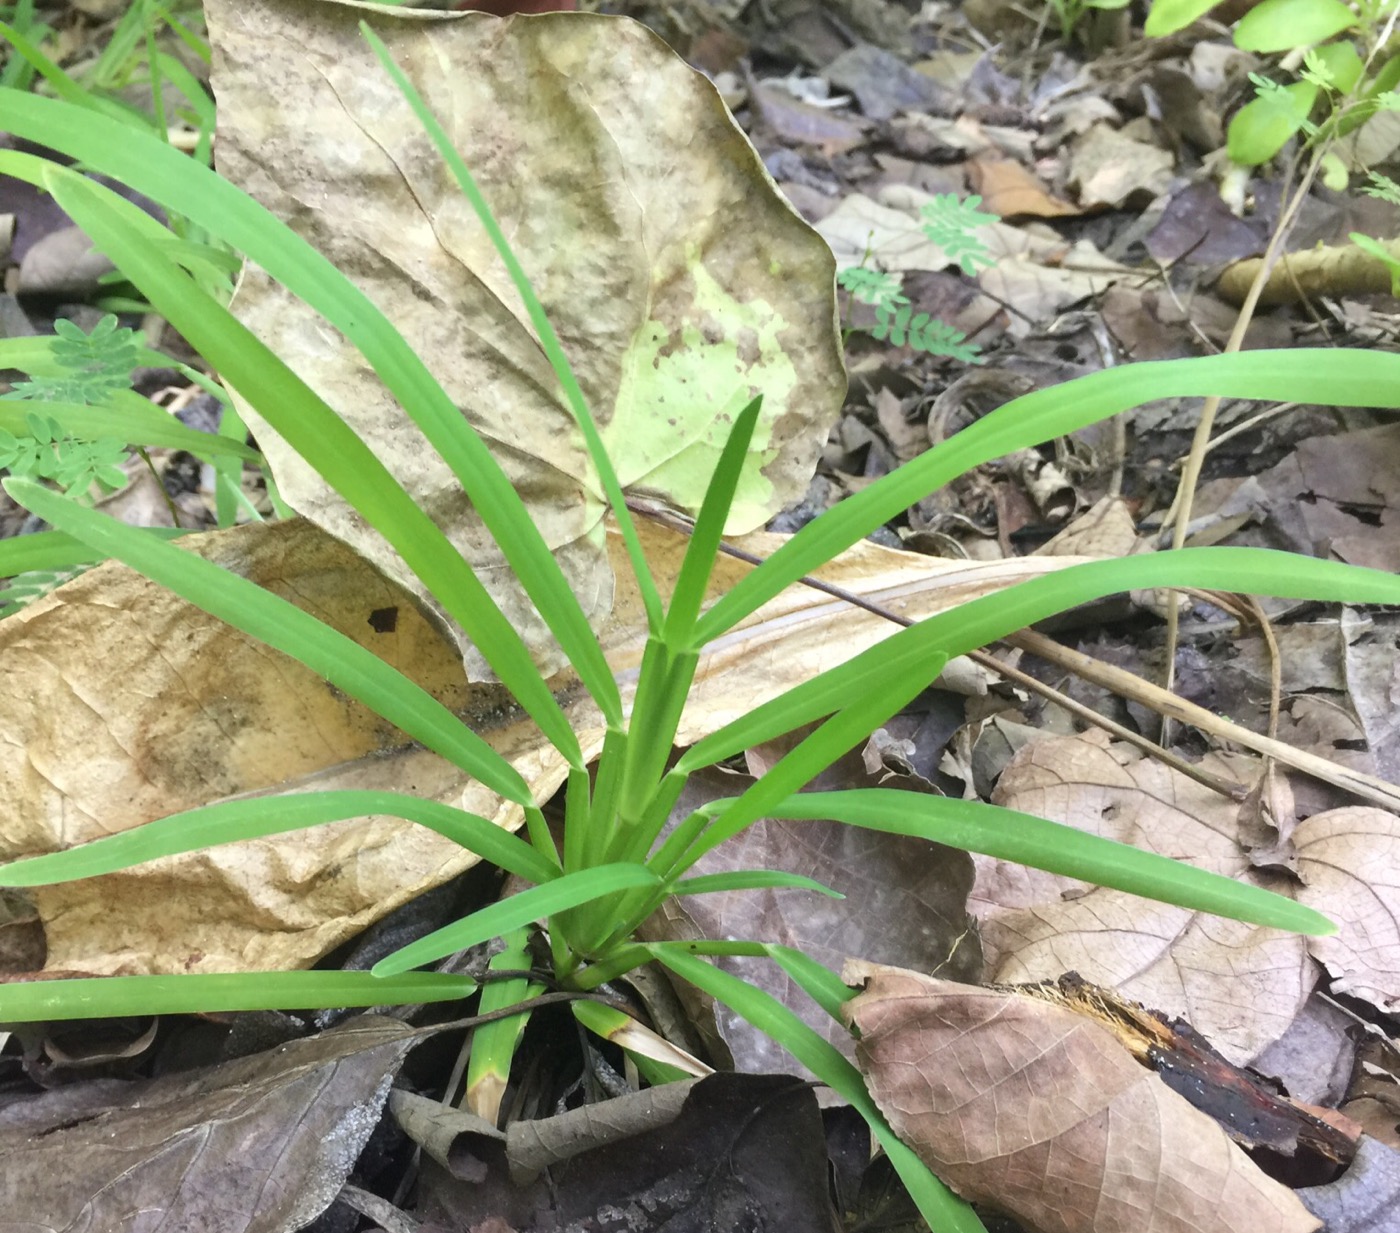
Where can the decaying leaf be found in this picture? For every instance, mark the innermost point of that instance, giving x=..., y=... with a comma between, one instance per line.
x=258, y=1145
x=1238, y=984
x=121, y=703
x=1040, y=275
x=1349, y=860
x=727, y=1151
x=1036, y=1110
x=124, y=703
x=680, y=282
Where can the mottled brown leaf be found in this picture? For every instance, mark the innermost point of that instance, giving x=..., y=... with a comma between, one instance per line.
x=1036, y=1110
x=259, y=1145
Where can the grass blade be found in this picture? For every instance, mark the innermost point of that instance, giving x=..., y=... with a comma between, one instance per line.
x=53, y=550
x=184, y=187
x=523, y=909
x=1330, y=377
x=980, y=622
x=819, y=983
x=285, y=627
x=887, y=690
x=703, y=549
x=944, y=1211
x=121, y=420
x=1027, y=840
x=100, y=997
x=493, y=1044
x=260, y=816
x=549, y=340
x=745, y=879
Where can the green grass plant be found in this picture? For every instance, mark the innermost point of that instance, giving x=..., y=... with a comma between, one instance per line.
x=616, y=862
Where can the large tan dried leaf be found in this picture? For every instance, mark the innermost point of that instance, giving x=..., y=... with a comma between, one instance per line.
x=1031, y=1108
x=679, y=280
x=120, y=703
x=123, y=703
x=1238, y=984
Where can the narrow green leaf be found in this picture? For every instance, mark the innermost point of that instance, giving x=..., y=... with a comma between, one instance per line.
x=982, y=621
x=703, y=549
x=1007, y=834
x=741, y=880
x=120, y=420
x=63, y=85
x=184, y=187
x=256, y=817
x=938, y=1205
x=1331, y=377
x=53, y=550
x=494, y=1044
x=285, y=627
x=549, y=340
x=98, y=997
x=523, y=909
x=818, y=982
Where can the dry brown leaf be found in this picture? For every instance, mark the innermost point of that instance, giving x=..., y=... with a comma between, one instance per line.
x=1239, y=985
x=1036, y=1110
x=1349, y=860
x=1108, y=167
x=1038, y=272
x=1009, y=190
x=258, y=1145
x=680, y=281
x=121, y=703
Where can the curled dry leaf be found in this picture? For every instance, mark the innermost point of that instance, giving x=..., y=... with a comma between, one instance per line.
x=1033, y=1109
x=1238, y=984
x=679, y=280
x=121, y=703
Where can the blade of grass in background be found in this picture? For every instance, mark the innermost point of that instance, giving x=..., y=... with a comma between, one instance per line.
x=53, y=550
x=1335, y=377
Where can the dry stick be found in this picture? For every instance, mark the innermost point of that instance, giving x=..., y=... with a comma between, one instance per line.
x=1368, y=787
x=1179, y=516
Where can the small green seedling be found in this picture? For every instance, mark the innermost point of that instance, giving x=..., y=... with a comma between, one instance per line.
x=1342, y=83
x=952, y=225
